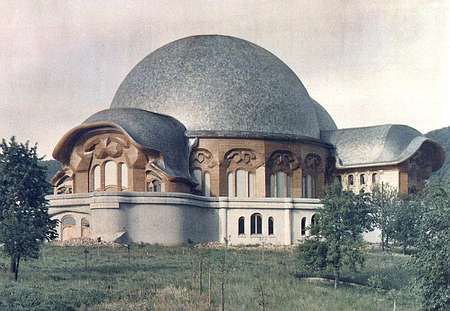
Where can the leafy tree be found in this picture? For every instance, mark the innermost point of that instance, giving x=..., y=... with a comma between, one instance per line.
x=432, y=259
x=403, y=227
x=24, y=220
x=336, y=239
x=385, y=201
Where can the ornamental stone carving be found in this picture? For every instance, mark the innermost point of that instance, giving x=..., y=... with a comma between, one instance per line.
x=202, y=158
x=242, y=158
x=312, y=162
x=283, y=160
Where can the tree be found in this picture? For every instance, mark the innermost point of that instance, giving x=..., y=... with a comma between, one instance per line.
x=404, y=223
x=24, y=220
x=336, y=238
x=432, y=259
x=385, y=200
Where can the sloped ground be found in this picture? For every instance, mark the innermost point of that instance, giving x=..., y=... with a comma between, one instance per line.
x=167, y=278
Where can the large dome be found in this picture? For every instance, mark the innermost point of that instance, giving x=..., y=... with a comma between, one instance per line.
x=220, y=85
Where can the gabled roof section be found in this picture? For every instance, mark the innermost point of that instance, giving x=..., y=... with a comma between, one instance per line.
x=147, y=130
x=379, y=145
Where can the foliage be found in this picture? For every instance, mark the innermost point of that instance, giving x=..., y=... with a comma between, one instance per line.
x=442, y=136
x=432, y=260
x=52, y=167
x=385, y=201
x=24, y=220
x=337, y=237
x=404, y=226
x=160, y=278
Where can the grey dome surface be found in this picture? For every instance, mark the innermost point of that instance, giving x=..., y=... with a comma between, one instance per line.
x=221, y=84
x=326, y=122
x=378, y=145
x=148, y=130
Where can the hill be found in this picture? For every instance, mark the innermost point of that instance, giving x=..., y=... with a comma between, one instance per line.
x=53, y=166
x=442, y=136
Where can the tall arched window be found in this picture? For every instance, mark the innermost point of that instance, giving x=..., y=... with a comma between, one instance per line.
x=241, y=184
x=155, y=186
x=96, y=178
x=68, y=228
x=270, y=225
x=197, y=173
x=309, y=186
x=85, y=228
x=207, y=185
x=313, y=220
x=303, y=226
x=230, y=178
x=241, y=226
x=110, y=174
x=251, y=185
x=280, y=185
x=124, y=176
x=256, y=224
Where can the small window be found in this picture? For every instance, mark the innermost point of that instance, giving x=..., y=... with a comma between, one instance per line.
x=256, y=224
x=350, y=180
x=375, y=178
x=156, y=185
x=362, y=179
x=241, y=226
x=303, y=226
x=313, y=220
x=270, y=225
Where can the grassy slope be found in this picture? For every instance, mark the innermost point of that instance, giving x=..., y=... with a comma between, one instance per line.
x=162, y=278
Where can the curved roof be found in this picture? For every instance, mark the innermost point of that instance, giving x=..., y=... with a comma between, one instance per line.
x=378, y=145
x=221, y=84
x=147, y=130
x=326, y=122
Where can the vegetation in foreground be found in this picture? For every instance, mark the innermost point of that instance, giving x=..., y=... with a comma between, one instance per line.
x=167, y=278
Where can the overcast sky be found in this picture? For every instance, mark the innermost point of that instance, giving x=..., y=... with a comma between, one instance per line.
x=366, y=62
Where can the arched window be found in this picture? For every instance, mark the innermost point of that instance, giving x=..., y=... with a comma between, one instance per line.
x=197, y=173
x=350, y=180
x=96, y=178
x=207, y=185
x=230, y=178
x=270, y=225
x=303, y=226
x=155, y=186
x=256, y=224
x=313, y=220
x=362, y=180
x=124, y=176
x=110, y=174
x=375, y=178
x=241, y=226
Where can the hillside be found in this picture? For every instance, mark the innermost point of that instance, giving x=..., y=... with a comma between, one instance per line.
x=442, y=136
x=52, y=167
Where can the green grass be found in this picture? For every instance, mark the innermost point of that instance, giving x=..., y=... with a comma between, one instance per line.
x=166, y=278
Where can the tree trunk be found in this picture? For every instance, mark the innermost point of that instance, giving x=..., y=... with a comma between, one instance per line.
x=16, y=272
x=336, y=278
x=12, y=265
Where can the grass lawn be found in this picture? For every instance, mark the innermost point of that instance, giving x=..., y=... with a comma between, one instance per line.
x=166, y=278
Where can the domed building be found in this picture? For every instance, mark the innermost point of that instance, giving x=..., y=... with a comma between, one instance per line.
x=213, y=138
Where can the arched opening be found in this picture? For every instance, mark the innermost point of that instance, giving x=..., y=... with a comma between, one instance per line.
x=313, y=222
x=241, y=226
x=85, y=228
x=362, y=180
x=303, y=226
x=375, y=178
x=68, y=228
x=256, y=224
x=154, y=186
x=110, y=176
x=309, y=186
x=96, y=178
x=280, y=185
x=241, y=184
x=230, y=179
x=270, y=226
x=351, y=182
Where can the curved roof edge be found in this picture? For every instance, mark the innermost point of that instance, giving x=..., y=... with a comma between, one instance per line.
x=379, y=145
x=146, y=130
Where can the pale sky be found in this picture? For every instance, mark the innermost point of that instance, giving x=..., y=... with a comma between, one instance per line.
x=366, y=62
